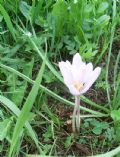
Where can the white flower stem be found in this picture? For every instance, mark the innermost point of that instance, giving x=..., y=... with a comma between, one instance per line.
x=76, y=115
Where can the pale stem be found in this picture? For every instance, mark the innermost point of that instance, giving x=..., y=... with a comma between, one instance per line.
x=76, y=115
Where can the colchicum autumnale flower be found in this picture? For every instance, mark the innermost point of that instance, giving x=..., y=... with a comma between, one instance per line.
x=78, y=77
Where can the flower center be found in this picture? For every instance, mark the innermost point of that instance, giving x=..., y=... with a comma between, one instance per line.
x=78, y=85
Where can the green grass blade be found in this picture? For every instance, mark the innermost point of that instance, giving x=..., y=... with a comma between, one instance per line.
x=26, y=109
x=12, y=107
x=115, y=70
x=100, y=56
x=8, y=21
x=110, y=51
x=88, y=101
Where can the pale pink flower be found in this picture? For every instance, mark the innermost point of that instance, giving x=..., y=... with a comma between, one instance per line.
x=78, y=76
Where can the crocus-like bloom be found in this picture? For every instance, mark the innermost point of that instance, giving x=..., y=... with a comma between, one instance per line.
x=78, y=76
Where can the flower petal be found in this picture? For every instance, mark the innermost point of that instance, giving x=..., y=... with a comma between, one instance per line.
x=65, y=68
x=87, y=72
x=94, y=75
x=78, y=72
x=77, y=61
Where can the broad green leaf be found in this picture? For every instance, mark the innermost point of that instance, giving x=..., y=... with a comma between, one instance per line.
x=102, y=7
x=97, y=130
x=60, y=15
x=25, y=9
x=100, y=127
x=102, y=21
x=88, y=8
x=115, y=114
x=4, y=126
x=69, y=141
x=48, y=134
